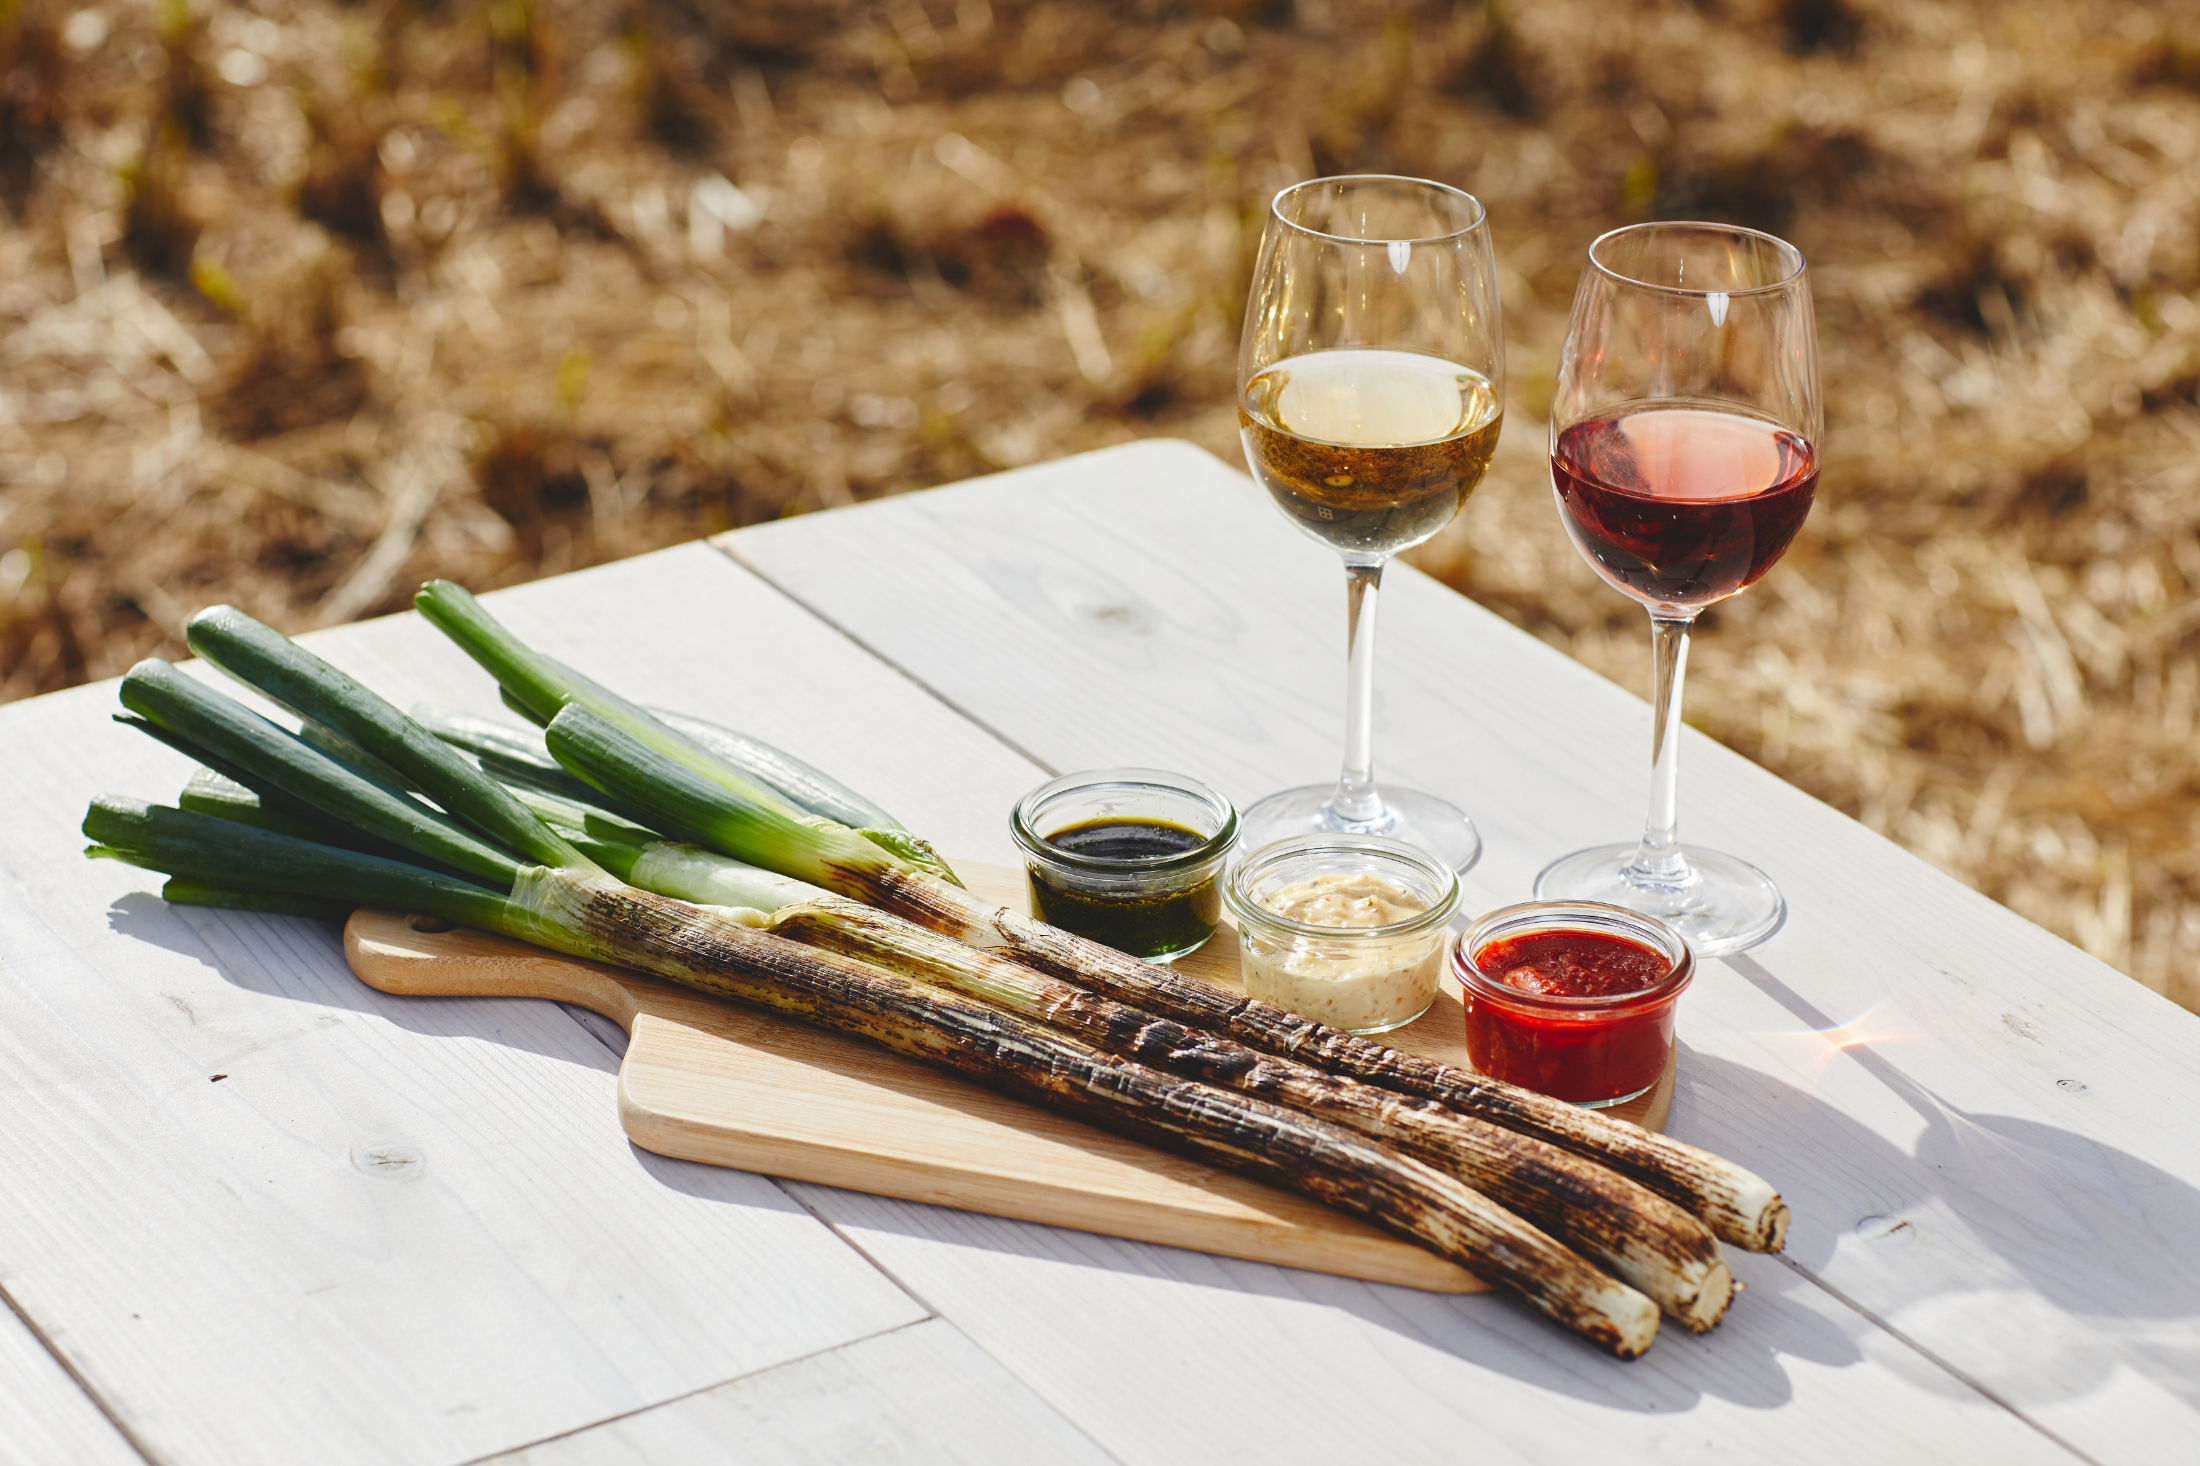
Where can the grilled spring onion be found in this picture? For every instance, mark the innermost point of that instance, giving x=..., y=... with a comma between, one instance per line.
x=1738, y=1205
x=810, y=790
x=518, y=755
x=517, y=758
x=668, y=867
x=210, y=793
x=538, y=686
x=1645, y=1240
x=1642, y=1238
x=578, y=908
x=595, y=917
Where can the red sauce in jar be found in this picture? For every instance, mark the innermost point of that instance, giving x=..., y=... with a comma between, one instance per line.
x=1577, y=1051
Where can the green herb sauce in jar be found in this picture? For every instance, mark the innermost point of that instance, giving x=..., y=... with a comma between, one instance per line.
x=1161, y=917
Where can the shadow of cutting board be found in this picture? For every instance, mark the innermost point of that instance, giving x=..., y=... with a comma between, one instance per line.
x=711, y=1081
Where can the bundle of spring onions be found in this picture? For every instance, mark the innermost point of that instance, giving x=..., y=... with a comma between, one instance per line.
x=697, y=855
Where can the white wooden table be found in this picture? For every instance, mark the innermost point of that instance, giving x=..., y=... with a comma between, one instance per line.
x=253, y=1211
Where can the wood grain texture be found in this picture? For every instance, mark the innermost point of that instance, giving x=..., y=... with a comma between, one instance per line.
x=919, y=1396
x=1165, y=1356
x=709, y=1081
x=1967, y=1114
x=396, y=1235
x=386, y=1233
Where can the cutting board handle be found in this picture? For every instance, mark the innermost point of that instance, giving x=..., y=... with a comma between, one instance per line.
x=420, y=956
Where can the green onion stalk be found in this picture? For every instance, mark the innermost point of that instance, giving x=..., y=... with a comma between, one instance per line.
x=1640, y=1237
x=481, y=857
x=539, y=687
x=703, y=800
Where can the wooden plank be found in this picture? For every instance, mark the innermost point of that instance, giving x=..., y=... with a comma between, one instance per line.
x=44, y=1418
x=1164, y=1356
x=710, y=1081
x=390, y=1233
x=1898, y=1052
x=919, y=1395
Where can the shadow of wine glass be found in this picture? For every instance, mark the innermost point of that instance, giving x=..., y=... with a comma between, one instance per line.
x=2024, y=1256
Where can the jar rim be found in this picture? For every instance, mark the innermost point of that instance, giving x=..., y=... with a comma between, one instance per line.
x=1527, y=917
x=1022, y=821
x=1237, y=893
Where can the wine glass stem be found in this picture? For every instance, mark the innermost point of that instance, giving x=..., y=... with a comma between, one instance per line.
x=1357, y=800
x=1659, y=861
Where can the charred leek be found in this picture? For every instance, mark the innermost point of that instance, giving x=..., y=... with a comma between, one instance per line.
x=498, y=881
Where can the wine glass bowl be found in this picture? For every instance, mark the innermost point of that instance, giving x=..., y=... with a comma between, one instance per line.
x=1306, y=425
x=1681, y=507
x=1370, y=382
x=1683, y=442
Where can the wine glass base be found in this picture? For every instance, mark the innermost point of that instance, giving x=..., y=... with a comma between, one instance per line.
x=1724, y=906
x=1423, y=820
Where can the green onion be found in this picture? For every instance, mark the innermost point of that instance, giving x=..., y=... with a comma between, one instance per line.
x=302, y=682
x=740, y=822
x=210, y=793
x=595, y=917
x=540, y=686
x=515, y=757
x=1638, y=1235
x=808, y=789
x=242, y=739
x=183, y=891
x=220, y=852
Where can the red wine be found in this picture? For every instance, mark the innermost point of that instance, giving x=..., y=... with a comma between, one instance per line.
x=1369, y=451
x=1682, y=506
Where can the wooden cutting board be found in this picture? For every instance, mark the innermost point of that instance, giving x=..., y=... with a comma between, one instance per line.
x=711, y=1081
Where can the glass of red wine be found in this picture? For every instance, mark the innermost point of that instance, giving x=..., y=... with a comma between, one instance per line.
x=1371, y=380
x=1684, y=455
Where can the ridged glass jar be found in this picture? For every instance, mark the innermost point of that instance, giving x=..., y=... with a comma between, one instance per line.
x=1158, y=906
x=1590, y=1051
x=1364, y=979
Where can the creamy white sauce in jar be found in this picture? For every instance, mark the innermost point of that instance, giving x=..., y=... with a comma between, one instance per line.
x=1356, y=980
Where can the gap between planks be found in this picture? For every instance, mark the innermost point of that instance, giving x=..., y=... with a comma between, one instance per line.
x=503, y=1451
x=121, y=1426
x=718, y=543
x=1008, y=1367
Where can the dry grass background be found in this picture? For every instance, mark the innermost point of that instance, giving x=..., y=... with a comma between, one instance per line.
x=302, y=302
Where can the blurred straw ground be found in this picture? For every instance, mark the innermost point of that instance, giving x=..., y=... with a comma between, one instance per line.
x=302, y=302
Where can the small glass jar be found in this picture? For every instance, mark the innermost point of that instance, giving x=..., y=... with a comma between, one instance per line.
x=1363, y=979
x=1590, y=1051
x=1127, y=857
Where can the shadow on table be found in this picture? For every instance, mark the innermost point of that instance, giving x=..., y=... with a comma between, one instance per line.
x=237, y=946
x=2008, y=1254
x=1989, y=1233
x=2051, y=1225
x=1745, y=1361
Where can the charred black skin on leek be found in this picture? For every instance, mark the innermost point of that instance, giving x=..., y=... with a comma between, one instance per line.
x=1677, y=1171
x=1029, y=1061
x=1655, y=1245
x=837, y=858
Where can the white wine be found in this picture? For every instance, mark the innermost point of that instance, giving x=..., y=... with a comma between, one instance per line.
x=1370, y=452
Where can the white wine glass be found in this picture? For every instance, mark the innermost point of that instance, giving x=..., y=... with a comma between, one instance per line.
x=1370, y=388
x=1684, y=458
